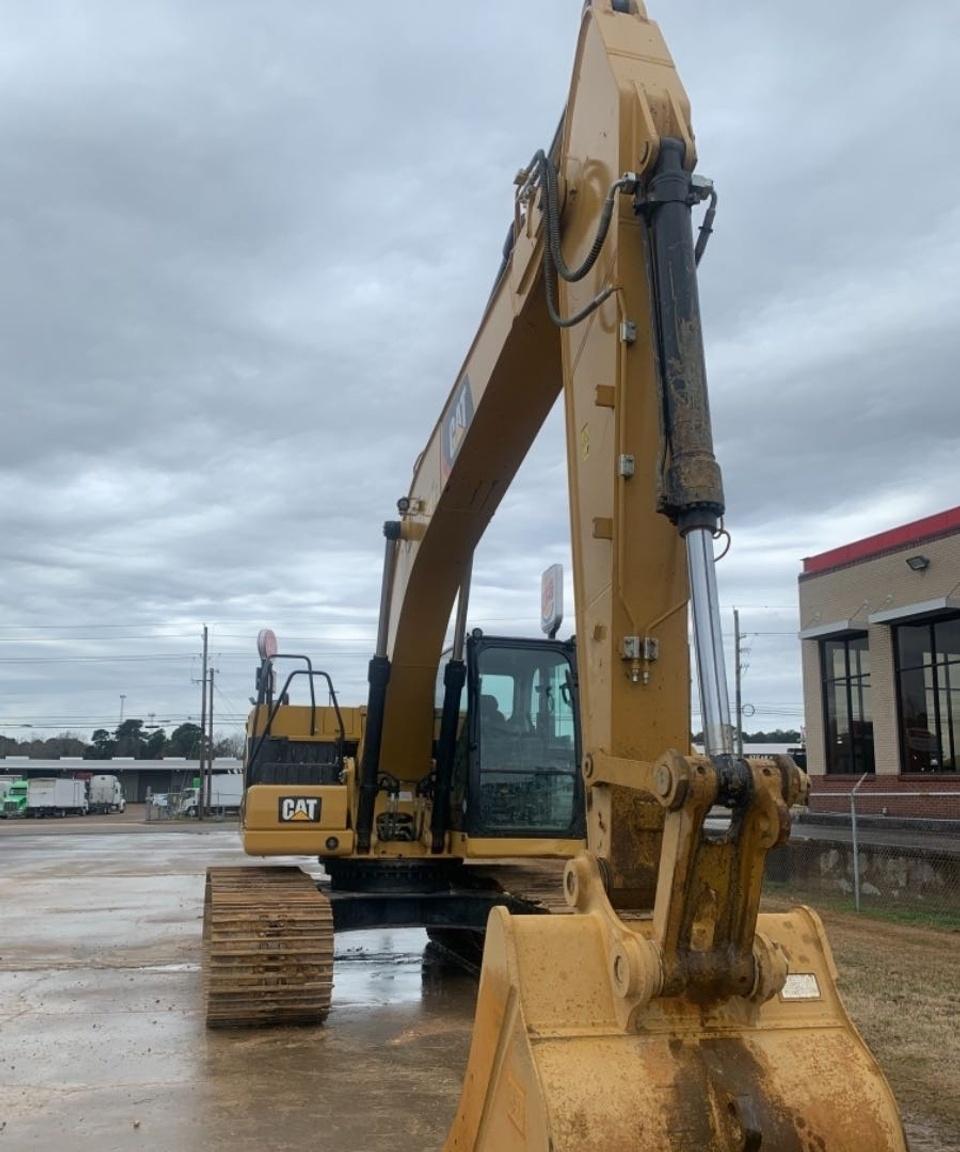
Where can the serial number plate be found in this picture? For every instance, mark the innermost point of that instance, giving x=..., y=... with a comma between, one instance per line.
x=801, y=986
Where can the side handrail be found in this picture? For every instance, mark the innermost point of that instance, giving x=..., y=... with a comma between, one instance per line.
x=311, y=673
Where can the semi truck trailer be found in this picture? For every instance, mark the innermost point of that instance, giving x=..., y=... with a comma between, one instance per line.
x=106, y=794
x=53, y=796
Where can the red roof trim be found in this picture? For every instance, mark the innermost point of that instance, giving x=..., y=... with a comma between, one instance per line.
x=942, y=524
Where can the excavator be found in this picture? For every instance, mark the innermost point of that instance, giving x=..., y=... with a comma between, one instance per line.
x=645, y=1002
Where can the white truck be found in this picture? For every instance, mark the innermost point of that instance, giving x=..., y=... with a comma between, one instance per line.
x=226, y=794
x=46, y=796
x=106, y=794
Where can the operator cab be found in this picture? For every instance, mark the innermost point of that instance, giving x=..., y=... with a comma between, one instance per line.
x=516, y=768
x=505, y=766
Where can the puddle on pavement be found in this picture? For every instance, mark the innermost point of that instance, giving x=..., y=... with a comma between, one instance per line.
x=396, y=966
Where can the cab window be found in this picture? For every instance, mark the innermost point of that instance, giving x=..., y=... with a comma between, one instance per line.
x=526, y=741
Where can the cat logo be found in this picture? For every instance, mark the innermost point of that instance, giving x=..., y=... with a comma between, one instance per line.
x=454, y=424
x=299, y=809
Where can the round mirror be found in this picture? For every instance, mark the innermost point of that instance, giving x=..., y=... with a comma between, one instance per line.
x=267, y=643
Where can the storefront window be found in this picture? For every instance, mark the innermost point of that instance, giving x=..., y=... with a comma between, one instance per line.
x=848, y=720
x=928, y=680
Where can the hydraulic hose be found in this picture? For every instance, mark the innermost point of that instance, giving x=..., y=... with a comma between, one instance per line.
x=554, y=264
x=706, y=228
x=551, y=206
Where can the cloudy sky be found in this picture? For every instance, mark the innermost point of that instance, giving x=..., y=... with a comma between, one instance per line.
x=244, y=247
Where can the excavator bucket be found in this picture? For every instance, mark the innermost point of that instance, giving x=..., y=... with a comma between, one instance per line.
x=553, y=1067
x=700, y=1025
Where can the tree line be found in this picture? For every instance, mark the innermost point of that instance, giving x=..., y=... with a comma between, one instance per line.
x=134, y=740
x=131, y=739
x=776, y=736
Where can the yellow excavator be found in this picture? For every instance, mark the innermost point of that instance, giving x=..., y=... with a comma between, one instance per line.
x=646, y=1003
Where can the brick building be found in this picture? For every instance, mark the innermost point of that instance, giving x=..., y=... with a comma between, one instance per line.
x=880, y=633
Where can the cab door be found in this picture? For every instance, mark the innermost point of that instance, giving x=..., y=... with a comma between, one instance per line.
x=523, y=762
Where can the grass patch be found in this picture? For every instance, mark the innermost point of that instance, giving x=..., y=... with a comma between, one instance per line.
x=939, y=919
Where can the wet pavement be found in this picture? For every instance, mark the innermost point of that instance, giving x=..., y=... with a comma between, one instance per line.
x=102, y=1044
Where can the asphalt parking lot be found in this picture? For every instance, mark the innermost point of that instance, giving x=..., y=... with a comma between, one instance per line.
x=103, y=1047
x=102, y=1044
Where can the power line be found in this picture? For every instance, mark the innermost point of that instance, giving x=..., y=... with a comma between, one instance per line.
x=139, y=658
x=72, y=627
x=96, y=639
x=179, y=631
x=768, y=607
x=233, y=708
x=166, y=716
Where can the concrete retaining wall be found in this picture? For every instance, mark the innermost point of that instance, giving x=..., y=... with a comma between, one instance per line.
x=889, y=873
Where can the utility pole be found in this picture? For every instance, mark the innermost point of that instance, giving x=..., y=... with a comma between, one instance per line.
x=203, y=725
x=209, y=797
x=738, y=666
x=123, y=697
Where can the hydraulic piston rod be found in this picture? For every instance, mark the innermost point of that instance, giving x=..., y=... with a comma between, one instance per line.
x=708, y=644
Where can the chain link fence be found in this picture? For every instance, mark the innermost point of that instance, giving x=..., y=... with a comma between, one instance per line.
x=168, y=806
x=165, y=806
x=872, y=855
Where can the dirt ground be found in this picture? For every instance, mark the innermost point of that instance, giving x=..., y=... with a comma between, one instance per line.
x=102, y=1045
x=902, y=987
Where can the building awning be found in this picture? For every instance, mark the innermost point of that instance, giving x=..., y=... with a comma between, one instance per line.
x=923, y=608
x=834, y=628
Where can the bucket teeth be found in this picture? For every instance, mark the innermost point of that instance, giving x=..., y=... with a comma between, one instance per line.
x=267, y=948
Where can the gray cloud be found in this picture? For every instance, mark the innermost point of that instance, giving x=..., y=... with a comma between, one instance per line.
x=244, y=250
